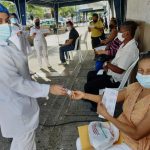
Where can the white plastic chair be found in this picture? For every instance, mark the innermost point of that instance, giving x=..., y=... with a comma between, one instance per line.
x=84, y=41
x=127, y=75
x=125, y=78
x=77, y=49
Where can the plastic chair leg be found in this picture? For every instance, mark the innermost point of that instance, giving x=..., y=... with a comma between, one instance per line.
x=69, y=57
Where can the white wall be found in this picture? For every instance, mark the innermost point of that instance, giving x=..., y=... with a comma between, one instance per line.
x=139, y=10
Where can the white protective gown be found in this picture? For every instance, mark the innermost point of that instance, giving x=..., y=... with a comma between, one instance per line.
x=19, y=111
x=40, y=45
x=20, y=41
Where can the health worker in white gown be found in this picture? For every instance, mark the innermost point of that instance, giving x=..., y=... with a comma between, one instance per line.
x=19, y=110
x=38, y=34
x=18, y=35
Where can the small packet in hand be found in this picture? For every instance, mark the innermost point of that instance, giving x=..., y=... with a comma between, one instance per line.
x=69, y=92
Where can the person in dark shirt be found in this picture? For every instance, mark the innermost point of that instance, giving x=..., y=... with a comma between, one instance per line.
x=69, y=44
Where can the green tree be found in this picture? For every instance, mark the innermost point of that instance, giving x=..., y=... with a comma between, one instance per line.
x=36, y=11
x=9, y=5
x=67, y=11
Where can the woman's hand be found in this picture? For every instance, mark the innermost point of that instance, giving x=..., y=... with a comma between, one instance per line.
x=77, y=95
x=100, y=52
x=103, y=42
x=101, y=109
x=57, y=90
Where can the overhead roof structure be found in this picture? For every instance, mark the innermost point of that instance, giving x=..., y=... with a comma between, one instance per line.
x=21, y=6
x=61, y=3
x=90, y=10
x=47, y=3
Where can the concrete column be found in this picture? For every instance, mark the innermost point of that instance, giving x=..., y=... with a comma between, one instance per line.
x=56, y=13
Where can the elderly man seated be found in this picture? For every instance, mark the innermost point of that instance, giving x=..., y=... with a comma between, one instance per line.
x=69, y=44
x=114, y=71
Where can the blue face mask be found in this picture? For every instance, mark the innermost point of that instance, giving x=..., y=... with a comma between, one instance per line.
x=14, y=20
x=5, y=32
x=144, y=80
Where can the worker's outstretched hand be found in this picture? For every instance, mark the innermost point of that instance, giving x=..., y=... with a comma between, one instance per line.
x=57, y=90
x=77, y=95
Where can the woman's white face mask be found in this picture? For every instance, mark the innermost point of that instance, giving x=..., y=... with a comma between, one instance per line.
x=119, y=36
x=5, y=32
x=69, y=28
x=144, y=80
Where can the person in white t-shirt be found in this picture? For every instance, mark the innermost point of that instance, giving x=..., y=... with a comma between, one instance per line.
x=127, y=54
x=40, y=43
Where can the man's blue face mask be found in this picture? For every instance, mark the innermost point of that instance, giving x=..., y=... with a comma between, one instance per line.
x=5, y=32
x=144, y=80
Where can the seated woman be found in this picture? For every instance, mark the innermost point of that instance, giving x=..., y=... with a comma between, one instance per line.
x=113, y=32
x=134, y=122
x=112, y=45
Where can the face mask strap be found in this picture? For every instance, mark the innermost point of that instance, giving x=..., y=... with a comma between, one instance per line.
x=10, y=29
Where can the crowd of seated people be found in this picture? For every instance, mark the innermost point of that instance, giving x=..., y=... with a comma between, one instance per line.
x=114, y=71
x=133, y=122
